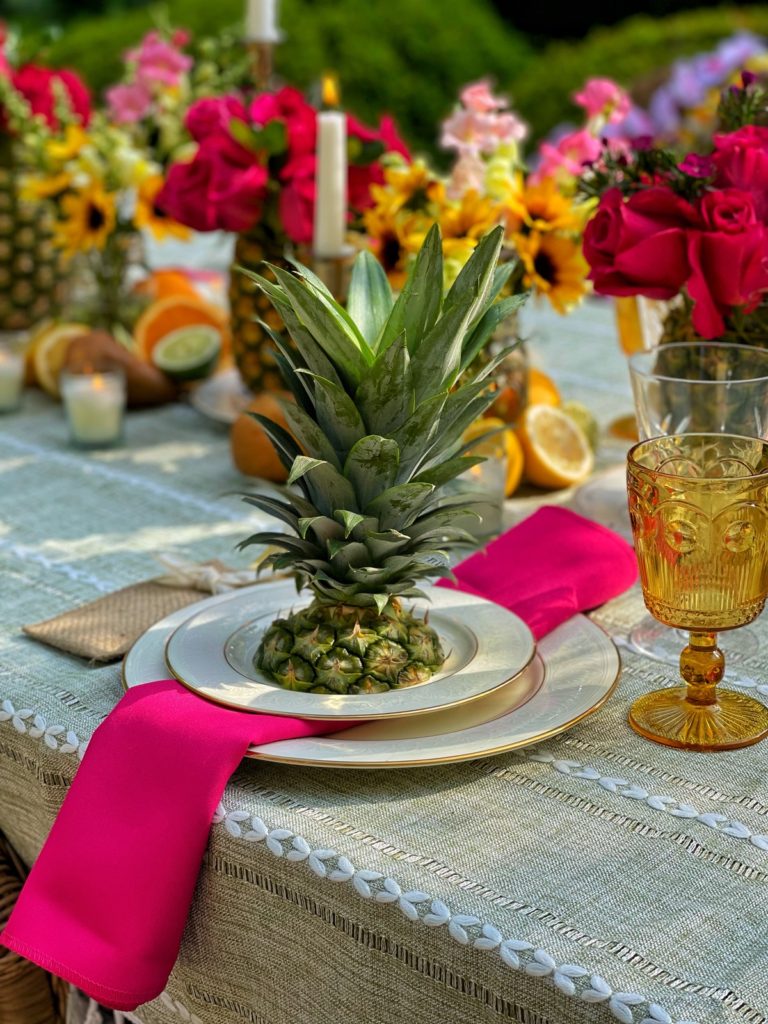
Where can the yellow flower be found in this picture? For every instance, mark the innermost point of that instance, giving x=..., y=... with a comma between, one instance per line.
x=34, y=188
x=149, y=215
x=470, y=217
x=541, y=207
x=66, y=148
x=87, y=220
x=406, y=185
x=555, y=267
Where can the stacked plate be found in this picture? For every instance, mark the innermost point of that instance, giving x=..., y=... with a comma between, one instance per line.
x=496, y=691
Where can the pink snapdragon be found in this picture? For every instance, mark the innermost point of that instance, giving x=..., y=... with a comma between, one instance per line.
x=158, y=62
x=481, y=124
x=129, y=102
x=604, y=99
x=568, y=155
x=478, y=98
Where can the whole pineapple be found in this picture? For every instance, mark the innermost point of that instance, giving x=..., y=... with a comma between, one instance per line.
x=249, y=308
x=382, y=402
x=30, y=272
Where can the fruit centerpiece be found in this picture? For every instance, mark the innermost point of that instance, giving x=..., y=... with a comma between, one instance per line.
x=375, y=435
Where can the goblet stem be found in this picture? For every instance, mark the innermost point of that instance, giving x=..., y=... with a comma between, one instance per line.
x=702, y=665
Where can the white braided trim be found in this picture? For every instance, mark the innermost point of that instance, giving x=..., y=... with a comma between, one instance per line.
x=570, y=979
x=25, y=554
x=657, y=802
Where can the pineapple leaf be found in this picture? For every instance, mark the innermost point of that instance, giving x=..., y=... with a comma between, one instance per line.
x=326, y=296
x=279, y=509
x=417, y=431
x=381, y=601
x=385, y=543
x=476, y=278
x=323, y=528
x=309, y=434
x=398, y=506
x=282, y=540
x=302, y=464
x=371, y=466
x=449, y=470
x=370, y=301
x=328, y=488
x=285, y=445
x=385, y=396
x=346, y=556
x=489, y=321
x=297, y=385
x=337, y=414
x=327, y=327
x=349, y=519
x=419, y=303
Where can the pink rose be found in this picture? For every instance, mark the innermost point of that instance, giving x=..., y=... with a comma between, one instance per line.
x=568, y=156
x=601, y=97
x=741, y=161
x=729, y=210
x=477, y=97
x=213, y=116
x=128, y=103
x=639, y=246
x=158, y=62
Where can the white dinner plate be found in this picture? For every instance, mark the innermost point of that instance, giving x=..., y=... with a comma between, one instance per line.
x=575, y=671
x=212, y=652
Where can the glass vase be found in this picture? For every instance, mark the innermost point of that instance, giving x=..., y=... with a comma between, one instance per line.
x=103, y=293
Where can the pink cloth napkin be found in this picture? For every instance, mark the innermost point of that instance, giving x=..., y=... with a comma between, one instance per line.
x=106, y=902
x=550, y=566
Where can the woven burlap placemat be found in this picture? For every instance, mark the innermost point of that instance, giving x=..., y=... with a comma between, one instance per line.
x=105, y=629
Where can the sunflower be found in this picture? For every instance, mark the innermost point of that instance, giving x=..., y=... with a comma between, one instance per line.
x=150, y=215
x=394, y=237
x=88, y=219
x=555, y=267
x=60, y=150
x=541, y=207
x=34, y=189
x=470, y=217
x=406, y=186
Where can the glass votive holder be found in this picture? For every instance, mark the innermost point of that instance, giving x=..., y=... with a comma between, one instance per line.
x=11, y=370
x=94, y=405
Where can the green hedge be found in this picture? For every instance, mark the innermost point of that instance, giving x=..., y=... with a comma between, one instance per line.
x=405, y=56
x=632, y=52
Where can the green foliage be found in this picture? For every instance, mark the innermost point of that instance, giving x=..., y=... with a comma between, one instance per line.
x=635, y=53
x=408, y=57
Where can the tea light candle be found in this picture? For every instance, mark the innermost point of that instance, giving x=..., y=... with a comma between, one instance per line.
x=11, y=378
x=261, y=21
x=94, y=404
x=331, y=203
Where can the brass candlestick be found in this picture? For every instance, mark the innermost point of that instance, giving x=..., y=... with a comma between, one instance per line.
x=262, y=57
x=334, y=272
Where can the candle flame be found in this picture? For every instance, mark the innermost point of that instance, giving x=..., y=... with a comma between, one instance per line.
x=98, y=382
x=330, y=92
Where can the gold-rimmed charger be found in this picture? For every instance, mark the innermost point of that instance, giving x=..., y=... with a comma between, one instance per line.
x=212, y=653
x=575, y=671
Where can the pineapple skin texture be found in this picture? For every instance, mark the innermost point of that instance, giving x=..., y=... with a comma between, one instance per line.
x=348, y=650
x=252, y=348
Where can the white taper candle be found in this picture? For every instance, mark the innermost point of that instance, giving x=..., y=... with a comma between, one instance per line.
x=331, y=185
x=261, y=21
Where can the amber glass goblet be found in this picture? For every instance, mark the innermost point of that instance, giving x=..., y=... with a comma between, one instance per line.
x=699, y=510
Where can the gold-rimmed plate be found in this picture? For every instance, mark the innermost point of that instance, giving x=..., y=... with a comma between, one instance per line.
x=575, y=671
x=212, y=653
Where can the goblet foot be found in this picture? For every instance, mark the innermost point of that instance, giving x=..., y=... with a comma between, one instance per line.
x=662, y=643
x=667, y=716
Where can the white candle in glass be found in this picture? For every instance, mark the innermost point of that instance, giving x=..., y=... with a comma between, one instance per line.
x=330, y=227
x=261, y=21
x=94, y=404
x=11, y=378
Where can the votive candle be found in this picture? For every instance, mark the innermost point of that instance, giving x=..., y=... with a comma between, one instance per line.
x=94, y=404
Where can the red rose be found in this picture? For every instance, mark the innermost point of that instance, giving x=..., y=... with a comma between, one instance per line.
x=35, y=85
x=741, y=161
x=213, y=116
x=638, y=246
x=729, y=261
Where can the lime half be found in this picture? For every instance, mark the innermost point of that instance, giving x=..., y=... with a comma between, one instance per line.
x=188, y=353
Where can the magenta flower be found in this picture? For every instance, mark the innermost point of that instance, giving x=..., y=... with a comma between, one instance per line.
x=569, y=155
x=697, y=166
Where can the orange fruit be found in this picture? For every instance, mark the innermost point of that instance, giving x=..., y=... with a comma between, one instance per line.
x=506, y=404
x=505, y=442
x=515, y=462
x=252, y=451
x=50, y=354
x=163, y=283
x=556, y=450
x=169, y=314
x=542, y=390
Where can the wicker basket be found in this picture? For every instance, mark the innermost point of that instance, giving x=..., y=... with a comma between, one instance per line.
x=28, y=995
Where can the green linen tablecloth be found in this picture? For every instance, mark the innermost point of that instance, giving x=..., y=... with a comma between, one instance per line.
x=596, y=878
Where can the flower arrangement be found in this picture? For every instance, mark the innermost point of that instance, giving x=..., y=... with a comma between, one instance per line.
x=694, y=229
x=488, y=184
x=255, y=162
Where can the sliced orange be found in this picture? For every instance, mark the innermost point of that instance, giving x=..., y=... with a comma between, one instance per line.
x=50, y=353
x=515, y=462
x=173, y=312
x=557, y=453
x=542, y=390
x=164, y=283
x=503, y=443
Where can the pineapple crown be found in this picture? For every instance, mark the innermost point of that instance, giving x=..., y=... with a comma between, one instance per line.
x=383, y=398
